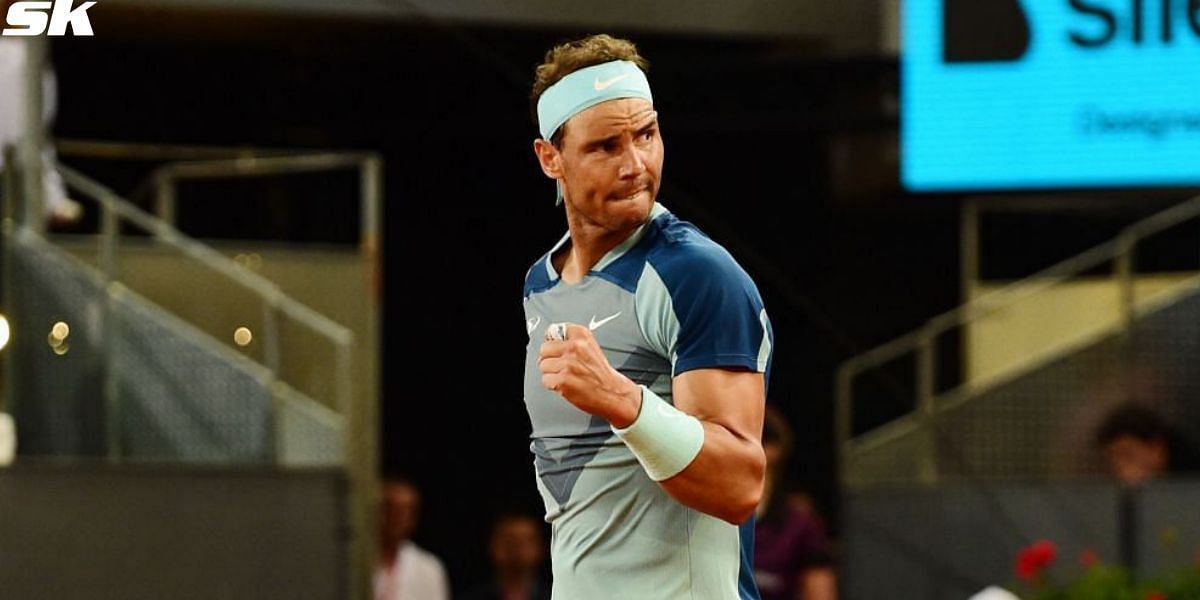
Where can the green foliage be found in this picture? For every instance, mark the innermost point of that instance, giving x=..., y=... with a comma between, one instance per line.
x=1101, y=581
x=1108, y=582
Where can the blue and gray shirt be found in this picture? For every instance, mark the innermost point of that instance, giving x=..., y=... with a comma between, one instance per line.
x=665, y=301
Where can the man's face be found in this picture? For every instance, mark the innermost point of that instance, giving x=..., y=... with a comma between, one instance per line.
x=517, y=545
x=401, y=505
x=1135, y=460
x=611, y=163
x=775, y=455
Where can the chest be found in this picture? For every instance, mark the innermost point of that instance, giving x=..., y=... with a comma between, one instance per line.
x=606, y=309
x=610, y=314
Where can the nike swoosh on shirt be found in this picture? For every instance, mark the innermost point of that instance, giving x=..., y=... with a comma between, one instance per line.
x=531, y=324
x=602, y=85
x=594, y=324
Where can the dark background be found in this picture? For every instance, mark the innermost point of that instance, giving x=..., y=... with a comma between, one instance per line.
x=780, y=151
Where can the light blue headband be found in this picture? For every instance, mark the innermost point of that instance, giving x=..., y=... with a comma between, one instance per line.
x=586, y=88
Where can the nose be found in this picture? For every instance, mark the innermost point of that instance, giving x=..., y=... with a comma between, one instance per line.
x=633, y=163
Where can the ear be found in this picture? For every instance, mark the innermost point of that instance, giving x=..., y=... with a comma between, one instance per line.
x=549, y=158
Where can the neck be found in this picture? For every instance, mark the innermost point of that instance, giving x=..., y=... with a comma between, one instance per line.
x=389, y=549
x=589, y=243
x=514, y=581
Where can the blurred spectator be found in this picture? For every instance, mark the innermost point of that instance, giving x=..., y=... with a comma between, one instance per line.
x=1139, y=445
x=517, y=550
x=405, y=571
x=8, y=439
x=791, y=552
x=60, y=209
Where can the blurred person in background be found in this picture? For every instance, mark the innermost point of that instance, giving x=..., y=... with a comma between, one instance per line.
x=517, y=550
x=405, y=571
x=792, y=558
x=60, y=209
x=1139, y=445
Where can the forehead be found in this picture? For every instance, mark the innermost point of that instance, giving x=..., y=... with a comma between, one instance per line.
x=613, y=116
x=400, y=492
x=1128, y=441
x=520, y=526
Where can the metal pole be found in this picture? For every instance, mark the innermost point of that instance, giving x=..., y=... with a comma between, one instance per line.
x=969, y=276
x=371, y=182
x=271, y=346
x=11, y=182
x=109, y=232
x=1126, y=308
x=271, y=359
x=1124, y=272
x=844, y=420
x=362, y=417
x=8, y=226
x=32, y=140
x=926, y=394
x=969, y=249
x=360, y=467
x=164, y=199
x=345, y=379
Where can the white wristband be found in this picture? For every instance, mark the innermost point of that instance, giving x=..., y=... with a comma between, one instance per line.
x=664, y=439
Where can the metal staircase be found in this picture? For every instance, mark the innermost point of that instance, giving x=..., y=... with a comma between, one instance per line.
x=1041, y=359
x=98, y=370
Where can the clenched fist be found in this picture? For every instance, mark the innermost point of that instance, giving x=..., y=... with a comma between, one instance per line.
x=577, y=369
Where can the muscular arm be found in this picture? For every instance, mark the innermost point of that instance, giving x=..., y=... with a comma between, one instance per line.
x=726, y=479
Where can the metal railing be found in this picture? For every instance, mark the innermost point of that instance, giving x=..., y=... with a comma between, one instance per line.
x=193, y=163
x=922, y=344
x=361, y=443
x=275, y=303
x=353, y=416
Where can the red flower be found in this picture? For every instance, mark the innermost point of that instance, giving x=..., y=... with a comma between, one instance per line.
x=1032, y=561
x=1088, y=558
x=1155, y=595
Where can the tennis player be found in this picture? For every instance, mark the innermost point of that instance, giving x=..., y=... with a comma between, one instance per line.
x=645, y=372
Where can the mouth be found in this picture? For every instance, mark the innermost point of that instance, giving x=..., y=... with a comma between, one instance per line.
x=628, y=197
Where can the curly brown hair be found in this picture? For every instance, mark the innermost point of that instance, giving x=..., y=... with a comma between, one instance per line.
x=568, y=57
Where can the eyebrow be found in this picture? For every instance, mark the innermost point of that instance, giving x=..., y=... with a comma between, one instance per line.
x=652, y=124
x=648, y=126
x=600, y=142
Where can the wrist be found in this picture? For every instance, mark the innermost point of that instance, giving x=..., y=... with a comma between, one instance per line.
x=628, y=406
x=664, y=439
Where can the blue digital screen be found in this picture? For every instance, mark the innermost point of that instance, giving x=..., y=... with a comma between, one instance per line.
x=1019, y=94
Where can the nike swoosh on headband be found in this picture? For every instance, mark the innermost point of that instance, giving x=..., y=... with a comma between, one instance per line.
x=601, y=85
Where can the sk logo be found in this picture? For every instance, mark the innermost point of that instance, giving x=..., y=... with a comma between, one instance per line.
x=35, y=17
x=984, y=31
